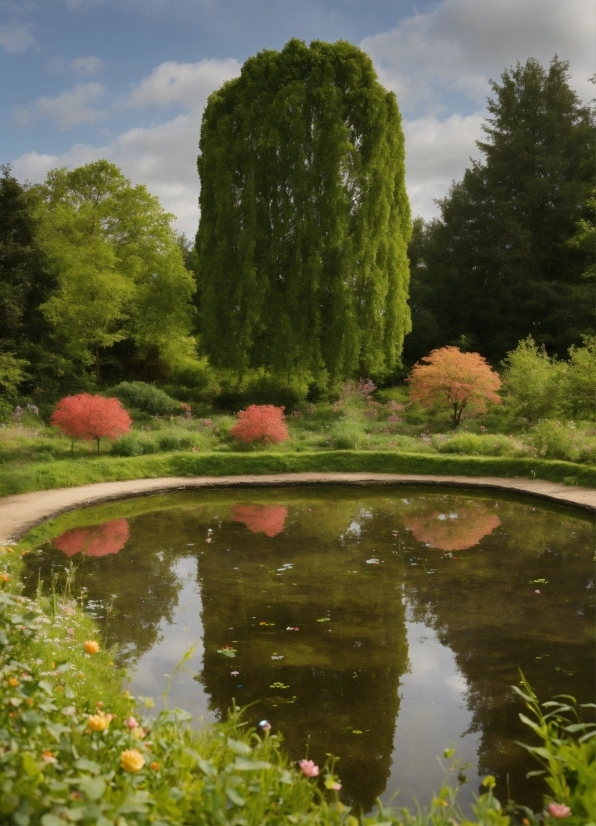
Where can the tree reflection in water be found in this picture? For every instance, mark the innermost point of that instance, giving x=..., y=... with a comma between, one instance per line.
x=101, y=540
x=454, y=530
x=267, y=519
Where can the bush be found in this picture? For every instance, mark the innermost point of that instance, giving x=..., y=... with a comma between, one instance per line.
x=262, y=423
x=133, y=445
x=346, y=436
x=532, y=381
x=146, y=397
x=472, y=445
x=175, y=441
x=555, y=440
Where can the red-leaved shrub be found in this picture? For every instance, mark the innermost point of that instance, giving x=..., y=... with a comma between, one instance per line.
x=91, y=417
x=261, y=423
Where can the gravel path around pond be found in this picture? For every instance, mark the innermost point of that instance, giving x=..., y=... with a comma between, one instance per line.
x=21, y=512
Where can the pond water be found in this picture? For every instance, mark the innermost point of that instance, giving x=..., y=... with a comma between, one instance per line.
x=380, y=625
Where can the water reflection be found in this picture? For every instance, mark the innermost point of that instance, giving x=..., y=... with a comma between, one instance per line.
x=267, y=519
x=455, y=527
x=392, y=660
x=100, y=540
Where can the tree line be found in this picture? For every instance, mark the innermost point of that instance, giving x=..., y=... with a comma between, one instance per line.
x=300, y=269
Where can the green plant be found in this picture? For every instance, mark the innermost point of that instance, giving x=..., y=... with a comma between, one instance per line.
x=145, y=397
x=567, y=752
x=555, y=440
x=133, y=445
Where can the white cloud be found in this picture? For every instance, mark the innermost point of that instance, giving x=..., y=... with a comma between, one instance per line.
x=459, y=44
x=16, y=38
x=188, y=84
x=164, y=157
x=69, y=109
x=87, y=65
x=437, y=152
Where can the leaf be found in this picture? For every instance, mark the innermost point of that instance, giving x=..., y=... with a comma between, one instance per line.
x=51, y=820
x=235, y=798
x=84, y=765
x=207, y=768
x=46, y=686
x=238, y=746
x=244, y=765
x=324, y=619
x=30, y=765
x=93, y=787
x=227, y=652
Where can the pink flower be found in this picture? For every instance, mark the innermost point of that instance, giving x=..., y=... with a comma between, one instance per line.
x=558, y=810
x=336, y=787
x=70, y=631
x=536, y=591
x=308, y=768
x=131, y=722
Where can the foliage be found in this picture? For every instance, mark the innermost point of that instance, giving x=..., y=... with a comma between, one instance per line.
x=579, y=380
x=555, y=440
x=471, y=444
x=497, y=266
x=567, y=752
x=11, y=374
x=585, y=236
x=25, y=283
x=460, y=380
x=304, y=217
x=119, y=268
x=91, y=417
x=145, y=397
x=532, y=381
x=261, y=423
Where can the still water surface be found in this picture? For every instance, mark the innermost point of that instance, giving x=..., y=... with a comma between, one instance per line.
x=379, y=625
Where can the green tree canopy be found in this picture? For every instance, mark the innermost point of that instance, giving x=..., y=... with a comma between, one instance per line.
x=121, y=276
x=302, y=257
x=498, y=265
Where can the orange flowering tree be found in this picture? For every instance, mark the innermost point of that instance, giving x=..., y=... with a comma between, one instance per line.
x=459, y=380
x=91, y=418
x=261, y=423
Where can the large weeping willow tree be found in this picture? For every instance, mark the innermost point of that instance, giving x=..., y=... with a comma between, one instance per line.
x=304, y=217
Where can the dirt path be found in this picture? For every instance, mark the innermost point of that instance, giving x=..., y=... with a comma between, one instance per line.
x=23, y=511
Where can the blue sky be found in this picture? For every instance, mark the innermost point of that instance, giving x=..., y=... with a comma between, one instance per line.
x=128, y=79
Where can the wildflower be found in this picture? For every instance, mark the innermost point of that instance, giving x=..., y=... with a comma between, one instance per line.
x=48, y=757
x=99, y=703
x=13, y=682
x=131, y=760
x=99, y=722
x=558, y=810
x=331, y=783
x=308, y=768
x=536, y=591
x=91, y=646
x=4, y=577
x=139, y=733
x=155, y=766
x=70, y=631
x=265, y=725
x=131, y=722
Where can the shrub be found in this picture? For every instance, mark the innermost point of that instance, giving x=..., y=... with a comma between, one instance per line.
x=261, y=423
x=146, y=397
x=554, y=440
x=91, y=418
x=472, y=445
x=532, y=381
x=174, y=441
x=133, y=445
x=346, y=436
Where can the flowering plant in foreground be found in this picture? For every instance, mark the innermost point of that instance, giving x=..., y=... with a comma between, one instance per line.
x=65, y=763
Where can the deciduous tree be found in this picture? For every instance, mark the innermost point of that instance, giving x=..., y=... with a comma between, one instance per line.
x=119, y=267
x=91, y=418
x=305, y=220
x=458, y=380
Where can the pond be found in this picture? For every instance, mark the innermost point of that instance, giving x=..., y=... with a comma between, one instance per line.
x=380, y=625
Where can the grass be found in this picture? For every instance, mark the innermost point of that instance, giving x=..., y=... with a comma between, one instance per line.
x=73, y=472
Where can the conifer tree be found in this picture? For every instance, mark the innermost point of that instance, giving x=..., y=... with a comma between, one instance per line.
x=302, y=243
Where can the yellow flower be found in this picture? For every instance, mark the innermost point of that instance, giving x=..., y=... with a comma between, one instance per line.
x=91, y=646
x=5, y=577
x=13, y=682
x=132, y=760
x=99, y=722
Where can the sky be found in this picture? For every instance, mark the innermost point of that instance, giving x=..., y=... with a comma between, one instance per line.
x=128, y=80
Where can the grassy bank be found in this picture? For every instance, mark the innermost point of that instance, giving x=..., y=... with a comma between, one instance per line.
x=70, y=473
